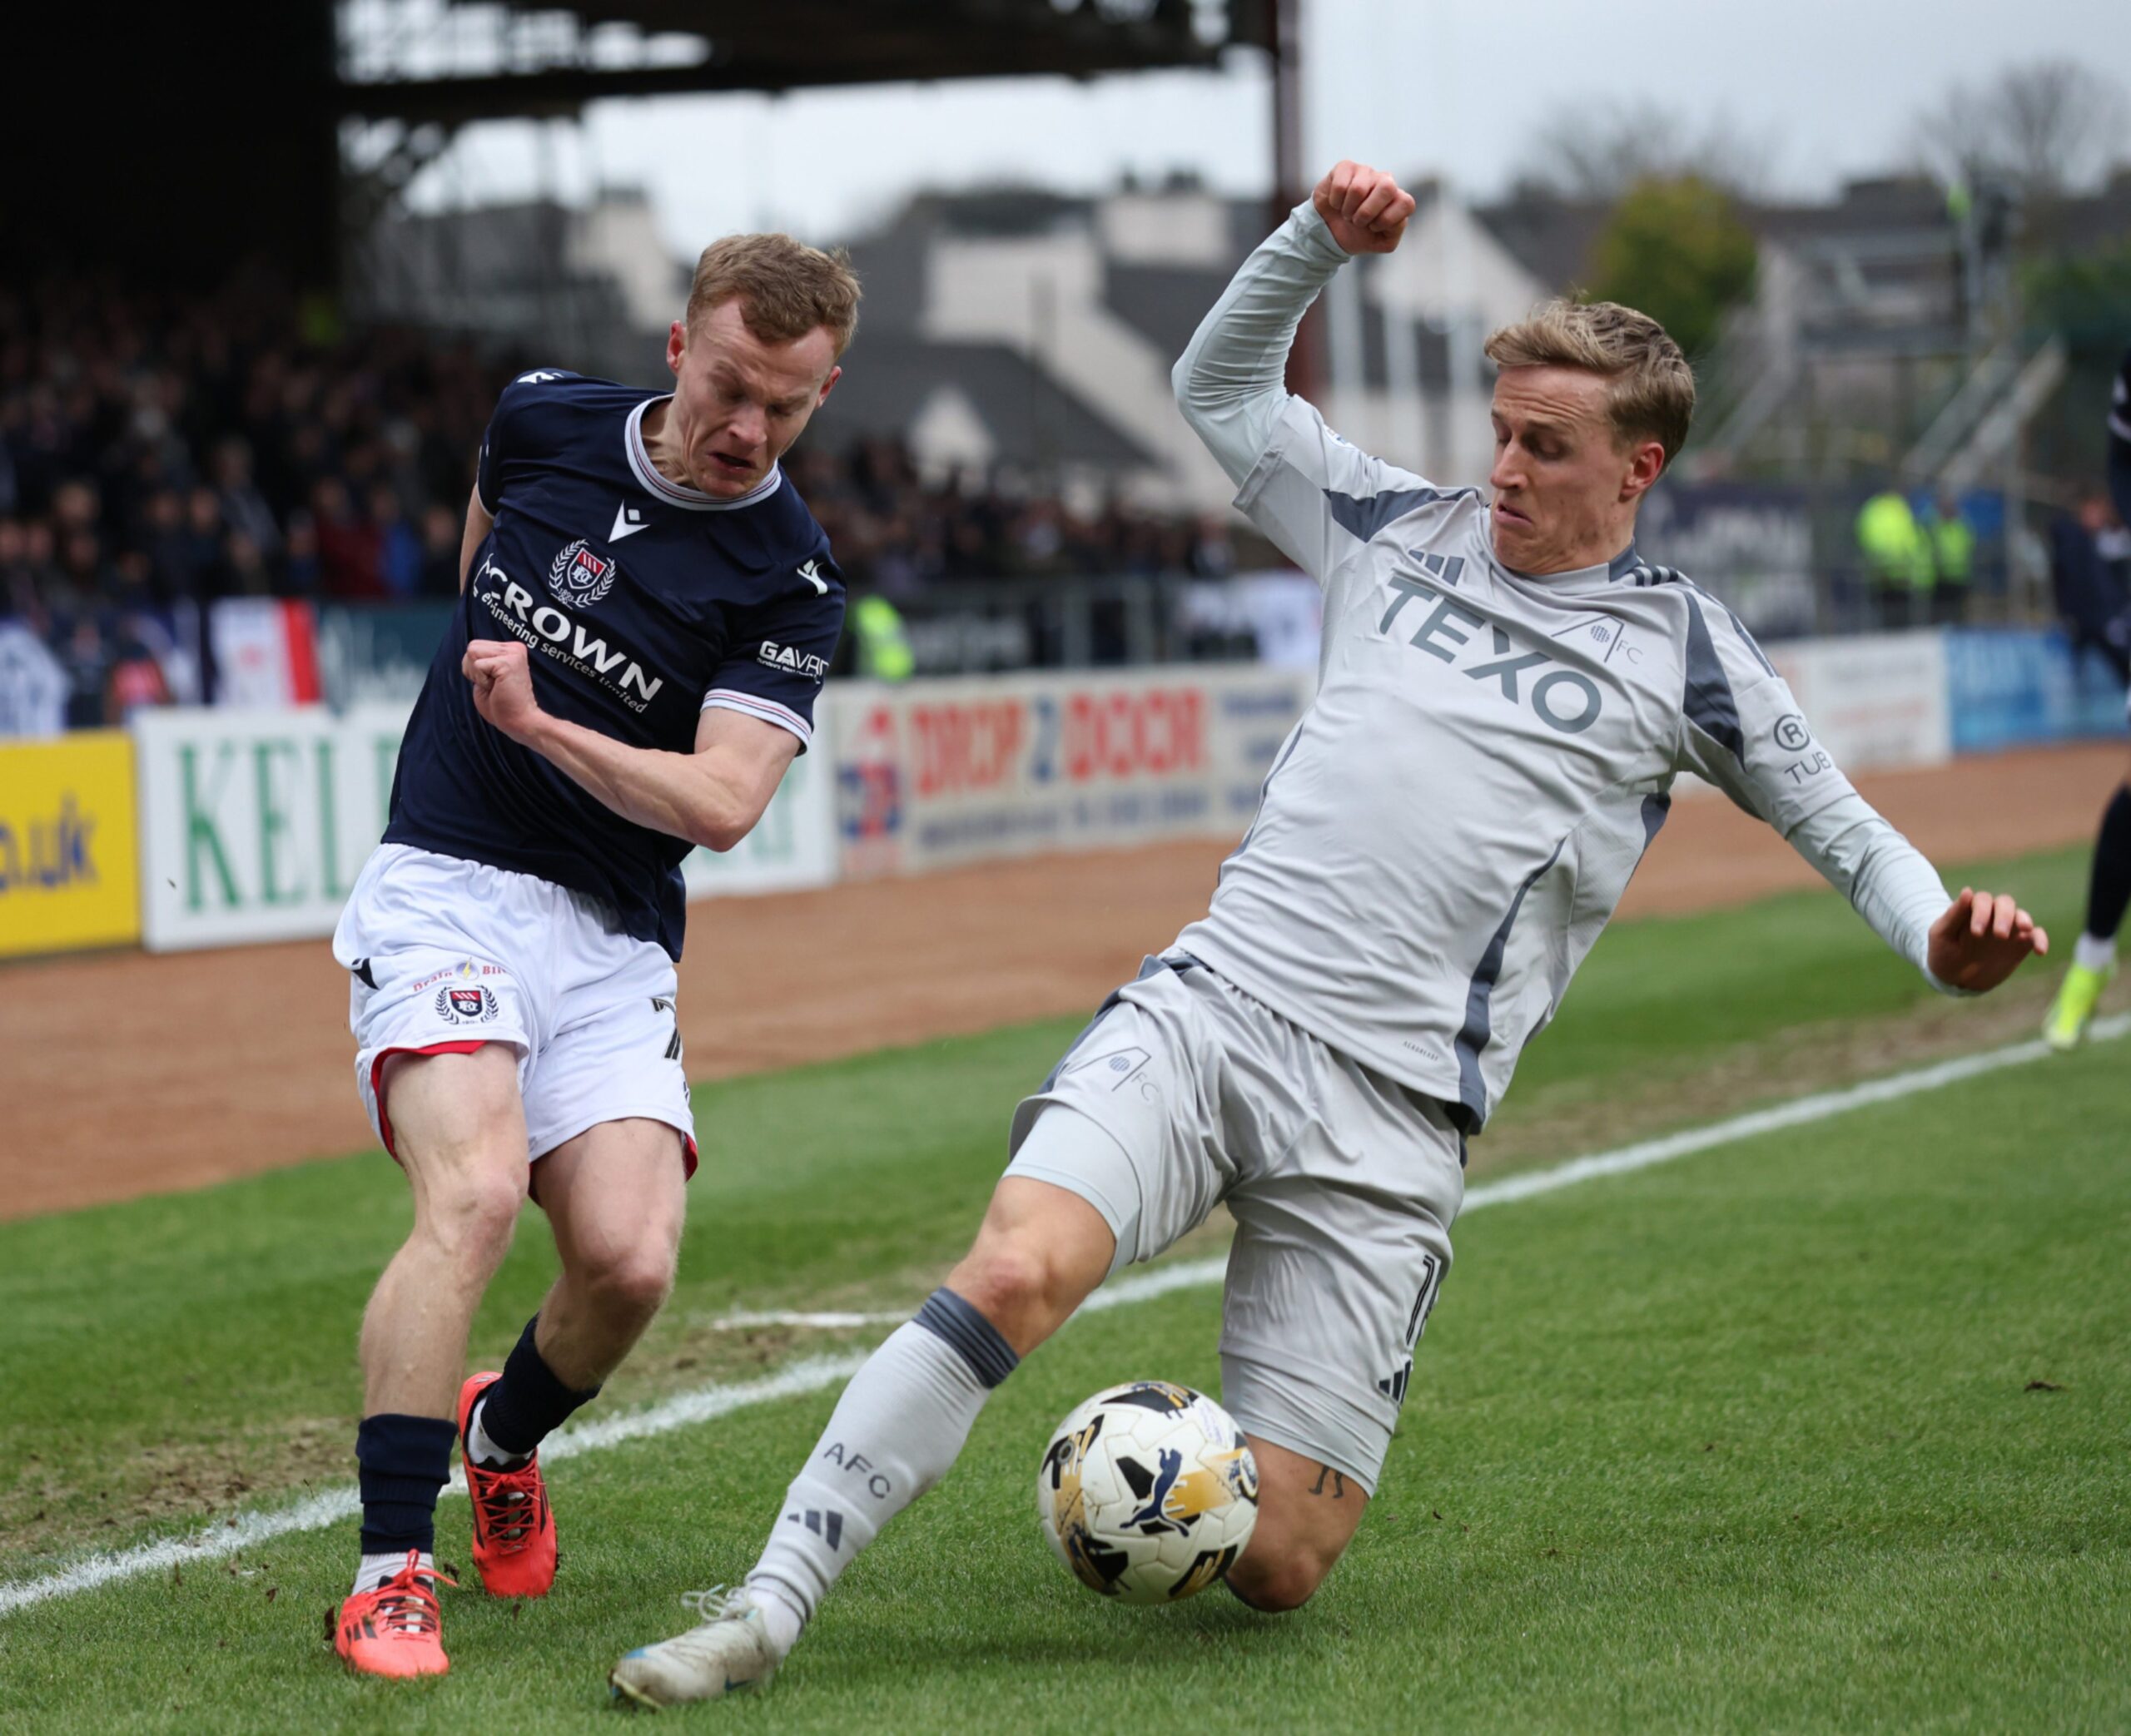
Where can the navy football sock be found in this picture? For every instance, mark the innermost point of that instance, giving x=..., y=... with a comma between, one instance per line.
x=529, y=1402
x=2109, y=887
x=402, y=1463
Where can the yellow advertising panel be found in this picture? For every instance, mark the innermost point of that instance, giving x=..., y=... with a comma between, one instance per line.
x=69, y=871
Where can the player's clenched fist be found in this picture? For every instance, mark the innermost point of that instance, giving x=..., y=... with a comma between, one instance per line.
x=503, y=684
x=1364, y=208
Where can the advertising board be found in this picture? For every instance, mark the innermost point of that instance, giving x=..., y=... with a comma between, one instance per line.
x=253, y=824
x=68, y=872
x=2011, y=687
x=934, y=773
x=1876, y=703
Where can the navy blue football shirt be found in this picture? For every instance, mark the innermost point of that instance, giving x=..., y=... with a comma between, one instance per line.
x=642, y=604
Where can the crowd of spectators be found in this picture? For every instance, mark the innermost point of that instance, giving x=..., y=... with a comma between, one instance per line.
x=892, y=529
x=159, y=451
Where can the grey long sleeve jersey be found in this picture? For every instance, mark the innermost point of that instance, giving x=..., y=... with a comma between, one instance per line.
x=1451, y=824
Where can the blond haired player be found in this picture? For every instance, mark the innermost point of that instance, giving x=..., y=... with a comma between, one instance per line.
x=1507, y=692
x=647, y=609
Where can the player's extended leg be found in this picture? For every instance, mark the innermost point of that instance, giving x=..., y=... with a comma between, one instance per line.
x=896, y=1431
x=1306, y=1513
x=459, y=1131
x=616, y=1196
x=2093, y=955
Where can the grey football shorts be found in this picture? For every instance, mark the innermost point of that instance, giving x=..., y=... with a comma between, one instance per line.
x=1185, y=1094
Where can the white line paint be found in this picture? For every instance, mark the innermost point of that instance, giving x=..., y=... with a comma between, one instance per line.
x=243, y=1531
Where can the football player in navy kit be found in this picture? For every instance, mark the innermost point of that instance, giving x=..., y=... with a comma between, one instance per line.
x=2109, y=876
x=647, y=610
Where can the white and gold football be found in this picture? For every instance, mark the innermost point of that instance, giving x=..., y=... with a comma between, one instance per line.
x=1148, y=1492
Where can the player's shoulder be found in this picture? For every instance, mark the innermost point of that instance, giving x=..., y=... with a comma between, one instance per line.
x=559, y=388
x=1705, y=623
x=1408, y=506
x=543, y=409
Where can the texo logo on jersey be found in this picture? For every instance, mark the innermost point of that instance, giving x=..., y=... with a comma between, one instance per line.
x=1565, y=700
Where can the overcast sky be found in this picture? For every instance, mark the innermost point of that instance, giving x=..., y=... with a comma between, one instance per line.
x=1423, y=87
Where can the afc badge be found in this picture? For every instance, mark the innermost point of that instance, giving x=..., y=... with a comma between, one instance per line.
x=467, y=1006
x=579, y=577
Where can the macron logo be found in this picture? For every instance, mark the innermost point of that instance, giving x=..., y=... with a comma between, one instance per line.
x=811, y=572
x=629, y=520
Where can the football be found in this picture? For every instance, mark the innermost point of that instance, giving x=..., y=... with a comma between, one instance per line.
x=1148, y=1492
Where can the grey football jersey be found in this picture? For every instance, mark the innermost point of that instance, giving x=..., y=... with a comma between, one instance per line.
x=1448, y=828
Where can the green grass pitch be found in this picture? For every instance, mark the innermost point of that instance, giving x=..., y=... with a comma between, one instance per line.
x=1829, y=1429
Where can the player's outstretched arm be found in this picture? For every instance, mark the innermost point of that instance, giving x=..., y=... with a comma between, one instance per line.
x=1228, y=380
x=1741, y=729
x=711, y=797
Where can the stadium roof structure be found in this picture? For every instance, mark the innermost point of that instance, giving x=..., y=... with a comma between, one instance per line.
x=522, y=60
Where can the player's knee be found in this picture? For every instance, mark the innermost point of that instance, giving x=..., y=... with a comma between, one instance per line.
x=1013, y=1284
x=1278, y=1580
x=475, y=1212
x=634, y=1280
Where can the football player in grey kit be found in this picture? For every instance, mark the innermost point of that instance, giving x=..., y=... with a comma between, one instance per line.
x=1508, y=690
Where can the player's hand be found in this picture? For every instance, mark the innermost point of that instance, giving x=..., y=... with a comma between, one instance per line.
x=1364, y=208
x=1980, y=941
x=503, y=686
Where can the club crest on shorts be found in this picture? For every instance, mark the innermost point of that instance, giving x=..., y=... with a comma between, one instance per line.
x=581, y=577
x=467, y=1006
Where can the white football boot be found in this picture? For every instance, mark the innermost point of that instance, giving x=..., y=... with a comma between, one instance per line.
x=728, y=1652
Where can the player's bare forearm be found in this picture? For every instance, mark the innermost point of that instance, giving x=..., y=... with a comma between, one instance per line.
x=711, y=797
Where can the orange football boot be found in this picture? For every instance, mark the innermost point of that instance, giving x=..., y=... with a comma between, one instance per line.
x=396, y=1629
x=514, y=1525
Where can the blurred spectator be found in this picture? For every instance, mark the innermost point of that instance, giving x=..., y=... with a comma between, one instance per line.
x=1897, y=558
x=244, y=508
x=348, y=544
x=400, y=552
x=2089, y=593
x=1953, y=557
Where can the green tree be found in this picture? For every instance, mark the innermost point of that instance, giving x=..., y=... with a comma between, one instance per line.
x=1678, y=248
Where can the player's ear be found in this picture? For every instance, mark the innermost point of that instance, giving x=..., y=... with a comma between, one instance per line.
x=1646, y=464
x=677, y=344
x=828, y=385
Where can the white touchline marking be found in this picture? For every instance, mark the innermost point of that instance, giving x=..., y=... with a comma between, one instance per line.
x=245, y=1530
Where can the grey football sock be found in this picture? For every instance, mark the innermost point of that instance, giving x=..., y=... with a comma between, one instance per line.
x=896, y=1431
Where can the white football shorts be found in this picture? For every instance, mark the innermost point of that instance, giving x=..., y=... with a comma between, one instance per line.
x=1185, y=1094
x=444, y=955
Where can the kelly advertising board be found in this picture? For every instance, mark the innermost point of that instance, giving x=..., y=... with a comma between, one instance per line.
x=68, y=869
x=253, y=824
x=931, y=774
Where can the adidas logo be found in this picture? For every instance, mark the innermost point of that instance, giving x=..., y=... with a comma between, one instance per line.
x=826, y=1527
x=1392, y=1387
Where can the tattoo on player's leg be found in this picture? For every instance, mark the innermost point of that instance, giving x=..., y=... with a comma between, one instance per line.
x=1338, y=1492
